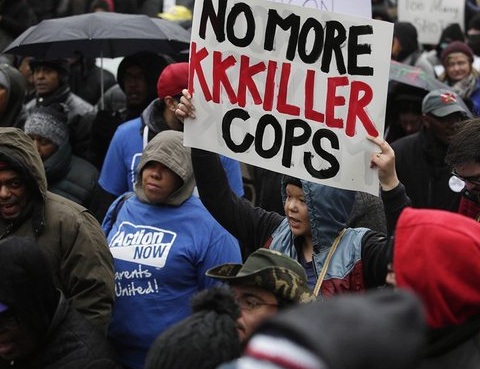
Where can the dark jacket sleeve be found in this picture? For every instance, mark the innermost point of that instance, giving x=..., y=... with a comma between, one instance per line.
x=377, y=247
x=101, y=201
x=252, y=226
x=394, y=202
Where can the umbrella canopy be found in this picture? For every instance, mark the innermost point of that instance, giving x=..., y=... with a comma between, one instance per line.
x=100, y=34
x=413, y=76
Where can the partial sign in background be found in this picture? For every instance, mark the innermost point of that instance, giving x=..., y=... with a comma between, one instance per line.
x=298, y=100
x=361, y=8
x=430, y=17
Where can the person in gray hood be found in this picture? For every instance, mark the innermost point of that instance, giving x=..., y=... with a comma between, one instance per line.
x=163, y=241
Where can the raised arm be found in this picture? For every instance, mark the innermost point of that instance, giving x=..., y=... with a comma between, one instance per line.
x=393, y=193
x=250, y=225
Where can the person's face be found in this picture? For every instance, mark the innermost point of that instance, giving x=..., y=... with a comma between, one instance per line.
x=410, y=122
x=169, y=115
x=13, y=194
x=45, y=147
x=46, y=80
x=26, y=71
x=296, y=211
x=445, y=127
x=256, y=305
x=3, y=100
x=457, y=66
x=136, y=89
x=470, y=174
x=396, y=48
x=16, y=340
x=159, y=182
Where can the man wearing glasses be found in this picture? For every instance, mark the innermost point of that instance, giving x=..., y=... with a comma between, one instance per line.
x=267, y=282
x=464, y=158
x=420, y=157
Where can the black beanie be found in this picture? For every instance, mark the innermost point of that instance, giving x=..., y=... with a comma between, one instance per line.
x=60, y=65
x=407, y=35
x=205, y=339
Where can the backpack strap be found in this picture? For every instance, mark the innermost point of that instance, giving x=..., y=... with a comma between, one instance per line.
x=117, y=208
x=327, y=262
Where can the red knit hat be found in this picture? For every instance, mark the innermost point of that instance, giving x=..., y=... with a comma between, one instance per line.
x=172, y=80
x=457, y=47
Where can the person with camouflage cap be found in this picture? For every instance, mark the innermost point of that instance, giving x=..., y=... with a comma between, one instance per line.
x=267, y=282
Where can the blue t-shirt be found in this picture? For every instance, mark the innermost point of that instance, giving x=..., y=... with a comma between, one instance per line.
x=119, y=168
x=161, y=254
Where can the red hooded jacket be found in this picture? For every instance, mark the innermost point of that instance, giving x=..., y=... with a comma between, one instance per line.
x=437, y=255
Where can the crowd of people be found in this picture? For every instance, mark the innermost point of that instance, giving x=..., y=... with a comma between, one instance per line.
x=122, y=248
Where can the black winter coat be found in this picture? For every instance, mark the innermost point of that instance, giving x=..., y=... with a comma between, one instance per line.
x=421, y=167
x=71, y=343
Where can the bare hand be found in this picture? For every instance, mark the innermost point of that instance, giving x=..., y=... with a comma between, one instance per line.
x=385, y=162
x=185, y=107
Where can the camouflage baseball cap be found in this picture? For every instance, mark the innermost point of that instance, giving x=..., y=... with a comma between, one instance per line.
x=270, y=270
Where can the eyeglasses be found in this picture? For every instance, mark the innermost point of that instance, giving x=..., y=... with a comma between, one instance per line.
x=249, y=303
x=475, y=180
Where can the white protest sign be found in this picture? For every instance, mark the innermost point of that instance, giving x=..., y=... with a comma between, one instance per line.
x=289, y=89
x=430, y=17
x=361, y=8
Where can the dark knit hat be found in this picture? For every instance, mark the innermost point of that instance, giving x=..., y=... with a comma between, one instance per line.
x=376, y=330
x=407, y=36
x=205, y=339
x=60, y=65
x=48, y=122
x=457, y=47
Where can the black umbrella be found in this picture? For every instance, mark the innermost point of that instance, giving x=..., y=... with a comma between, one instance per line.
x=100, y=34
